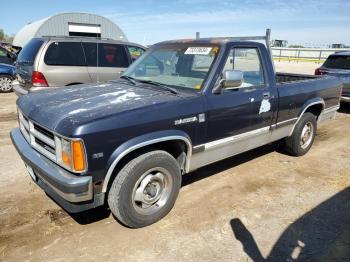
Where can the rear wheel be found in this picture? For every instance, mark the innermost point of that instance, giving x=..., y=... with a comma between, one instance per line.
x=145, y=190
x=300, y=142
x=5, y=84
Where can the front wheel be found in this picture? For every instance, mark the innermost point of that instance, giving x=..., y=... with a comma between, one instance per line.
x=303, y=136
x=145, y=190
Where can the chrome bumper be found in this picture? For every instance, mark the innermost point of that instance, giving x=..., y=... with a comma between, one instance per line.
x=51, y=177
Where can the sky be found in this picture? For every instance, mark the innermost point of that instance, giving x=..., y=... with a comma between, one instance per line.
x=306, y=22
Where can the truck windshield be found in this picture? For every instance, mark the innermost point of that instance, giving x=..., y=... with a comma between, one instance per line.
x=338, y=62
x=184, y=66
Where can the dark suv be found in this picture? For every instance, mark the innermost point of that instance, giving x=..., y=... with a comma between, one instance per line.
x=64, y=61
x=338, y=65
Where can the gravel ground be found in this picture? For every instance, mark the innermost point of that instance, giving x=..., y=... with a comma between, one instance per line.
x=259, y=206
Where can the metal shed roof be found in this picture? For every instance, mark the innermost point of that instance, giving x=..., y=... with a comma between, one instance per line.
x=57, y=25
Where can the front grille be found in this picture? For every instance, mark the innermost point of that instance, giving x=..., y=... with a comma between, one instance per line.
x=45, y=146
x=44, y=131
x=38, y=137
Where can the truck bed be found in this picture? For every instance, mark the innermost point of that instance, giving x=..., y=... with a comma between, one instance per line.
x=288, y=77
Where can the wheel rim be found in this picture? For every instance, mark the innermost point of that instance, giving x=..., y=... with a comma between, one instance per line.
x=5, y=84
x=152, y=191
x=306, y=135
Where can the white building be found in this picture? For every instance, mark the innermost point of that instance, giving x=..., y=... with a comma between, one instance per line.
x=70, y=24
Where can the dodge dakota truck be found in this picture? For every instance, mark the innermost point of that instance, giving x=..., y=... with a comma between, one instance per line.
x=181, y=106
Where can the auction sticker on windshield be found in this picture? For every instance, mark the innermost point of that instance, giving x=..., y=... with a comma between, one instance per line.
x=198, y=50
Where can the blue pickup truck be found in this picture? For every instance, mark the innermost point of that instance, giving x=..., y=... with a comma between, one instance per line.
x=181, y=106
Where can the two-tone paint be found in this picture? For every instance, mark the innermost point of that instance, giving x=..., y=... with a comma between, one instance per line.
x=116, y=118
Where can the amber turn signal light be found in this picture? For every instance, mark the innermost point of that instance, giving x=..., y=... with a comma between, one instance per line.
x=78, y=156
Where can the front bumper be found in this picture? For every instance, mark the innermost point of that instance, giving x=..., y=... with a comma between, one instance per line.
x=73, y=193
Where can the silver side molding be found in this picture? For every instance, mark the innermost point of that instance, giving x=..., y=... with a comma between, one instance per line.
x=233, y=139
x=223, y=148
x=289, y=121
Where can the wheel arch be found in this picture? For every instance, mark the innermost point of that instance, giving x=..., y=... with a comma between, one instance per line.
x=315, y=106
x=152, y=140
x=7, y=74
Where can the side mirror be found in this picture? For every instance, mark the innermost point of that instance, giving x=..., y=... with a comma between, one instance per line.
x=232, y=79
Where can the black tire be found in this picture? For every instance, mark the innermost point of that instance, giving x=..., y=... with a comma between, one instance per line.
x=294, y=143
x=121, y=195
x=6, y=80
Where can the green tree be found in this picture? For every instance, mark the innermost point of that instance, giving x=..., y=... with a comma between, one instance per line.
x=2, y=34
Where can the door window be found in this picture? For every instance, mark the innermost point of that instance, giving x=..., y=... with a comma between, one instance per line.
x=65, y=54
x=90, y=50
x=108, y=55
x=248, y=61
x=111, y=55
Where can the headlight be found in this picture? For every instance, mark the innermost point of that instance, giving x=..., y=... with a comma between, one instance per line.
x=70, y=154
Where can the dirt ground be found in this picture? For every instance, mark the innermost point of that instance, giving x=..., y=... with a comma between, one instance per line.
x=294, y=67
x=259, y=206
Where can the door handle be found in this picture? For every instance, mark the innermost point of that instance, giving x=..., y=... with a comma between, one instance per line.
x=266, y=95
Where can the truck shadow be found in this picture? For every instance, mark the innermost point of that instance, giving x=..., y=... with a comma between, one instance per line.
x=322, y=234
x=91, y=216
x=344, y=108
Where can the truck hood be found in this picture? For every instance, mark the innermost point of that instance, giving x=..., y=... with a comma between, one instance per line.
x=63, y=109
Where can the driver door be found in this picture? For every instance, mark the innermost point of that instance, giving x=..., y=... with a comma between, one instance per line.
x=238, y=119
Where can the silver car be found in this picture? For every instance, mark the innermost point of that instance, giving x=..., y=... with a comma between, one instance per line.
x=63, y=61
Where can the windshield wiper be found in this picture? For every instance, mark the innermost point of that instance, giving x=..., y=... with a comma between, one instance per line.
x=129, y=78
x=168, y=88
